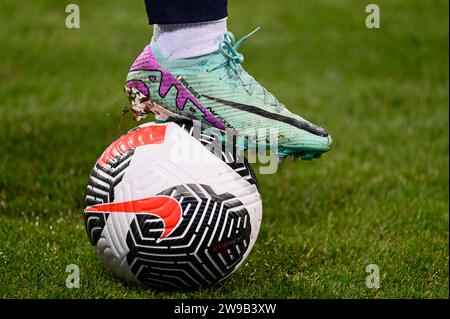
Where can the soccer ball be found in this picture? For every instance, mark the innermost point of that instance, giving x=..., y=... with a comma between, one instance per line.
x=162, y=210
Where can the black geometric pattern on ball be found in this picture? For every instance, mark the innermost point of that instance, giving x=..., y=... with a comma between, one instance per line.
x=212, y=139
x=219, y=228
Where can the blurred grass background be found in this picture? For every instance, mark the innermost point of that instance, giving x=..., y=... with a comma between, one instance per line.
x=380, y=196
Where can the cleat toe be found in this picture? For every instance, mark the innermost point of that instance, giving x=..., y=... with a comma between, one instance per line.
x=308, y=156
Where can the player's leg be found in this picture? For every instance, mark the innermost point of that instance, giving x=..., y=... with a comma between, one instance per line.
x=192, y=70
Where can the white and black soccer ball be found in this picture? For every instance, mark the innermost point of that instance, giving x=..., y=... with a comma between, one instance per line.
x=165, y=212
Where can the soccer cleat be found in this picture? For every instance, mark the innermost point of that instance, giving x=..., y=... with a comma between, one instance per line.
x=216, y=90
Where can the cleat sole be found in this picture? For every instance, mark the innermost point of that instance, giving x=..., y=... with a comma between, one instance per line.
x=142, y=105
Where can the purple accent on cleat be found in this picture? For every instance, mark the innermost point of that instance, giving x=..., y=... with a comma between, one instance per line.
x=138, y=85
x=147, y=61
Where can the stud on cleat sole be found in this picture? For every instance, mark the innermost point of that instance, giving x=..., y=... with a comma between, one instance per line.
x=280, y=159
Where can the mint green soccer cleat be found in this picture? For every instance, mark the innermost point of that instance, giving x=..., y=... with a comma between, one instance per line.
x=216, y=90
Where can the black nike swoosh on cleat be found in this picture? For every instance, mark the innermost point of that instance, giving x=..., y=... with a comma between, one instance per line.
x=309, y=127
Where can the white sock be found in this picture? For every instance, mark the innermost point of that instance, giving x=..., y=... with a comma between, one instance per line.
x=188, y=40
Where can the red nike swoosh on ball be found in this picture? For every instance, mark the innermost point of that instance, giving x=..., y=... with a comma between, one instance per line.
x=166, y=208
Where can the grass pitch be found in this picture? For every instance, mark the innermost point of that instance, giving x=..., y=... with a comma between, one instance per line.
x=379, y=197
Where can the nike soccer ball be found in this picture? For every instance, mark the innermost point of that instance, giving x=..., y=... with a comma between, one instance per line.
x=164, y=211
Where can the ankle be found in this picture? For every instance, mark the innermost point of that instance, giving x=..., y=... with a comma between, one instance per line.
x=188, y=40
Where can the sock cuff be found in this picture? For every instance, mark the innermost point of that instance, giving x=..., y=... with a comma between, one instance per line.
x=158, y=29
x=187, y=40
